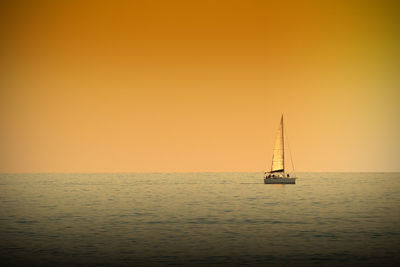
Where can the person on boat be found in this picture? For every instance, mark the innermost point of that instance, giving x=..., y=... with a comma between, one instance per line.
x=273, y=175
x=288, y=175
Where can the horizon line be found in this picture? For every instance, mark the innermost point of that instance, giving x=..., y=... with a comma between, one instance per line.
x=126, y=172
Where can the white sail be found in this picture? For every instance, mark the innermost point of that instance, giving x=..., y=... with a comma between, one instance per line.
x=278, y=156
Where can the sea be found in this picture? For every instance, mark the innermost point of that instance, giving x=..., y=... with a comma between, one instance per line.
x=199, y=219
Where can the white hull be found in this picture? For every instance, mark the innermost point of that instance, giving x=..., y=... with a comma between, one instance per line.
x=279, y=180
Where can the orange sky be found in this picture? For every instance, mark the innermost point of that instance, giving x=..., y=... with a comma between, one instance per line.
x=105, y=86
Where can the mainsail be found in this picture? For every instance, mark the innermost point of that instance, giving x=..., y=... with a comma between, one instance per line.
x=278, y=156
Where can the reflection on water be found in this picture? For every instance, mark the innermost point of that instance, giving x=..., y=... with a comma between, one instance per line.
x=199, y=219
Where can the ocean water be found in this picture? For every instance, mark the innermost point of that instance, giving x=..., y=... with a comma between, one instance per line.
x=199, y=219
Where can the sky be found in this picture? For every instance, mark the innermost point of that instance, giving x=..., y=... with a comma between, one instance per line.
x=182, y=86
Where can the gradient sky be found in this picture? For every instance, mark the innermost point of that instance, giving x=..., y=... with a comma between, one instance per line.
x=104, y=86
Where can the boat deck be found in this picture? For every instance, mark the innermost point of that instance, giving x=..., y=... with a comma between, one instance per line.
x=279, y=180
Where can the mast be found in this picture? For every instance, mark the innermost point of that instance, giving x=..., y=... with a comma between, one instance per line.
x=283, y=146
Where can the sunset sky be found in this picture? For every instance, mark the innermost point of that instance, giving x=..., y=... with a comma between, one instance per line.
x=121, y=86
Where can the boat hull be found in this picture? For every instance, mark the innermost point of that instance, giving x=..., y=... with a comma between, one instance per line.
x=279, y=180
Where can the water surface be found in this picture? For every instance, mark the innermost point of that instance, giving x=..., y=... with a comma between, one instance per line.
x=199, y=219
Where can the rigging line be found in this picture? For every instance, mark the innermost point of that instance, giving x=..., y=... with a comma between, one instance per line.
x=266, y=167
x=290, y=152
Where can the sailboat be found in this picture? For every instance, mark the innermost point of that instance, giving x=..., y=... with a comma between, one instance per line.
x=277, y=175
